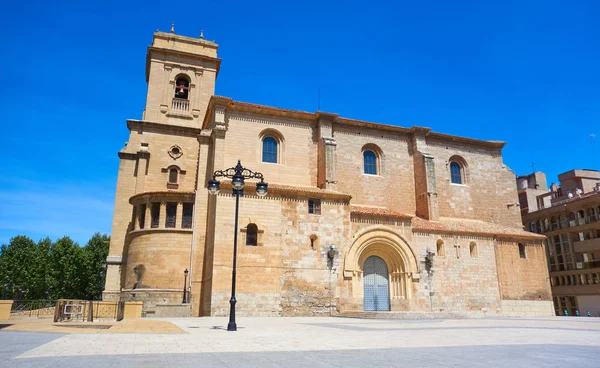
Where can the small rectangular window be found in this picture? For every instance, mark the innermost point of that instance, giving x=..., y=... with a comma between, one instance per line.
x=154, y=215
x=522, y=252
x=314, y=206
x=171, y=215
x=142, y=215
x=188, y=209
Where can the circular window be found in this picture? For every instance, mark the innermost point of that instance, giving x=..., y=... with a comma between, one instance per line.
x=175, y=152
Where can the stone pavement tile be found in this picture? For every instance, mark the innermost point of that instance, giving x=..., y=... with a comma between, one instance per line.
x=138, y=325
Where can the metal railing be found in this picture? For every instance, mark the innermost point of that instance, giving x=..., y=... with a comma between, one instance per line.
x=33, y=308
x=71, y=310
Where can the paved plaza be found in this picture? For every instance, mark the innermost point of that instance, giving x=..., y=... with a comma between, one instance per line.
x=310, y=342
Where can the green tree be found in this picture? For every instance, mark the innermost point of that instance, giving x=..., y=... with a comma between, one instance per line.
x=95, y=252
x=52, y=270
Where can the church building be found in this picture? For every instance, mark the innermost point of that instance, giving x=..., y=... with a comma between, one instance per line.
x=359, y=216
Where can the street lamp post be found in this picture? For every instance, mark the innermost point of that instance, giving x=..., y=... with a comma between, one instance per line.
x=237, y=174
x=185, y=275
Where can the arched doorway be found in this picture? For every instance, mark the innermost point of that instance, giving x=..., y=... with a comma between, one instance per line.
x=376, y=285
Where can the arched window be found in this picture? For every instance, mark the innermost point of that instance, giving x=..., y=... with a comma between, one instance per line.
x=546, y=225
x=173, y=176
x=554, y=223
x=572, y=221
x=562, y=221
x=591, y=215
x=581, y=217
x=182, y=87
x=473, y=250
x=370, y=162
x=532, y=226
x=269, y=150
x=440, y=249
x=314, y=242
x=252, y=235
x=455, y=173
x=522, y=253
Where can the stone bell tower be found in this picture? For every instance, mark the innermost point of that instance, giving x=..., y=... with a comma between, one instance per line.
x=152, y=228
x=181, y=73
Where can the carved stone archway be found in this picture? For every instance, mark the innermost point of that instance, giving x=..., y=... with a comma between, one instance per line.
x=385, y=243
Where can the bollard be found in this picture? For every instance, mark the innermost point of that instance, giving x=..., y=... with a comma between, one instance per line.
x=589, y=314
x=577, y=312
x=565, y=312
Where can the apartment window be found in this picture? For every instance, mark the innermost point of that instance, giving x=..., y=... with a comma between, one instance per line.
x=522, y=253
x=188, y=210
x=171, y=215
x=142, y=217
x=154, y=215
x=572, y=221
x=314, y=206
x=252, y=235
x=554, y=223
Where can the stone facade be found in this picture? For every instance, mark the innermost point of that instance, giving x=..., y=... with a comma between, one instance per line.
x=440, y=212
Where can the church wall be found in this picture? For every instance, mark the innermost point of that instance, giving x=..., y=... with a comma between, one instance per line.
x=489, y=187
x=523, y=278
x=460, y=281
x=162, y=255
x=394, y=188
x=283, y=275
x=159, y=145
x=298, y=161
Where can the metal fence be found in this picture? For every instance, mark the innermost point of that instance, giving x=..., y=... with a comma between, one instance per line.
x=72, y=310
x=33, y=308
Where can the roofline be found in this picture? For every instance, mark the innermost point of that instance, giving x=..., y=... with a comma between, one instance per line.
x=229, y=103
x=190, y=55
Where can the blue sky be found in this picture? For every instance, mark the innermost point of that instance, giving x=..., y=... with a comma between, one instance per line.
x=526, y=72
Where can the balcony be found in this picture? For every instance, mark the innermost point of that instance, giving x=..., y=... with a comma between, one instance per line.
x=585, y=246
x=179, y=107
x=576, y=282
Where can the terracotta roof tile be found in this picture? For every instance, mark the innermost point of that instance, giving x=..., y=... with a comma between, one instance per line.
x=465, y=226
x=375, y=211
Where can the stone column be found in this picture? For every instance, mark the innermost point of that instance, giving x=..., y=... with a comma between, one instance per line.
x=148, y=217
x=179, y=215
x=425, y=185
x=162, y=220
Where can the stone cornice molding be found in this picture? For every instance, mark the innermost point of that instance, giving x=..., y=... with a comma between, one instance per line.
x=162, y=195
x=232, y=105
x=311, y=192
x=140, y=125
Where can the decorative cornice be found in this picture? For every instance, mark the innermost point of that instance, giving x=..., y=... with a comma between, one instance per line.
x=140, y=197
x=312, y=192
x=128, y=156
x=162, y=128
x=469, y=141
x=232, y=105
